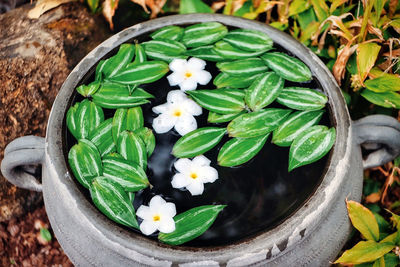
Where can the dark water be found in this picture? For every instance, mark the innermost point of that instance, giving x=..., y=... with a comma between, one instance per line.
x=259, y=194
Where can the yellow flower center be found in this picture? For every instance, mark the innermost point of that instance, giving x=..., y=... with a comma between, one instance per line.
x=177, y=113
x=193, y=175
x=188, y=74
x=156, y=218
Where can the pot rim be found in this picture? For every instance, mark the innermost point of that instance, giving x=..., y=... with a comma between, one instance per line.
x=276, y=240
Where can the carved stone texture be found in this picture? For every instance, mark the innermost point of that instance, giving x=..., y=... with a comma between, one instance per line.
x=35, y=58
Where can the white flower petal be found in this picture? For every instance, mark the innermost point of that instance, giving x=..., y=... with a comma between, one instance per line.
x=163, y=123
x=175, y=78
x=196, y=64
x=156, y=203
x=189, y=84
x=185, y=124
x=201, y=161
x=148, y=227
x=167, y=225
x=178, y=65
x=183, y=165
x=180, y=180
x=202, y=77
x=144, y=212
x=168, y=210
x=176, y=97
x=196, y=188
x=208, y=174
x=161, y=108
x=192, y=107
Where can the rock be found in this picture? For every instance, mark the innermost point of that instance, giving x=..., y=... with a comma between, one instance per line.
x=35, y=58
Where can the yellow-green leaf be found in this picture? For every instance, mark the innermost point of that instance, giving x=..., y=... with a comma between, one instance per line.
x=384, y=83
x=367, y=54
x=321, y=9
x=365, y=251
x=379, y=262
x=363, y=220
x=385, y=99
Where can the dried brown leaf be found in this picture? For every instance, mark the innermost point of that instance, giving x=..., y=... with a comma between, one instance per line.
x=43, y=6
x=141, y=3
x=217, y=5
x=339, y=67
x=336, y=22
x=373, y=198
x=155, y=6
x=109, y=7
x=389, y=181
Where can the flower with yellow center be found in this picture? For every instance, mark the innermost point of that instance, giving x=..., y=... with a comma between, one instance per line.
x=157, y=216
x=193, y=174
x=177, y=113
x=187, y=74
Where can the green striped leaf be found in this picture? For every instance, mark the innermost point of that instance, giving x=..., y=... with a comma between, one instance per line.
x=99, y=70
x=205, y=53
x=165, y=50
x=118, y=62
x=126, y=173
x=228, y=52
x=203, y=34
x=72, y=123
x=222, y=101
x=249, y=40
x=257, y=123
x=221, y=118
x=240, y=150
x=289, y=68
x=294, y=125
x=243, y=67
x=302, y=98
x=198, y=142
x=126, y=119
x=169, y=32
x=132, y=148
x=148, y=138
x=102, y=138
x=225, y=80
x=111, y=199
x=88, y=90
x=146, y=72
x=118, y=123
x=264, y=90
x=140, y=56
x=88, y=117
x=85, y=162
x=311, y=145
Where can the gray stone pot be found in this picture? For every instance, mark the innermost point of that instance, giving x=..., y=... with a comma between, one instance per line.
x=311, y=236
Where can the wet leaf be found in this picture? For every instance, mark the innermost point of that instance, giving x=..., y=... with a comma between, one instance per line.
x=126, y=119
x=198, y=142
x=148, y=138
x=132, y=148
x=225, y=80
x=205, y=52
x=118, y=62
x=243, y=67
x=164, y=49
x=140, y=55
x=302, y=98
x=363, y=220
x=365, y=251
x=146, y=72
x=72, y=123
x=228, y=52
x=311, y=145
x=249, y=40
x=88, y=117
x=102, y=138
x=205, y=33
x=385, y=99
x=367, y=53
x=191, y=224
x=220, y=118
x=172, y=32
x=88, y=90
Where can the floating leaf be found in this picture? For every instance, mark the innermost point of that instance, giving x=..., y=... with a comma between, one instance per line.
x=225, y=80
x=99, y=70
x=198, y=142
x=311, y=145
x=367, y=53
x=385, y=99
x=140, y=55
x=203, y=34
x=118, y=123
x=365, y=251
x=191, y=224
x=249, y=40
x=220, y=118
x=302, y=98
x=384, y=84
x=85, y=162
x=294, y=125
x=102, y=138
x=257, y=123
x=118, y=62
x=148, y=138
x=205, y=53
x=169, y=32
x=264, y=90
x=228, y=52
x=132, y=148
x=126, y=119
x=111, y=199
x=243, y=67
x=222, y=101
x=146, y=72
x=88, y=117
x=72, y=123
x=165, y=50
x=363, y=220
x=240, y=150
x=88, y=90
x=287, y=67
x=126, y=173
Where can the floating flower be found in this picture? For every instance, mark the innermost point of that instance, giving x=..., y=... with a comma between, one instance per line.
x=157, y=216
x=193, y=174
x=178, y=112
x=187, y=74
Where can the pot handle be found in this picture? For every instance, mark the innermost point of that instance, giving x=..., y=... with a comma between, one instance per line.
x=380, y=133
x=20, y=158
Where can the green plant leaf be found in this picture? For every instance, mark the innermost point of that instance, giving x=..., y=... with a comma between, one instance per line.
x=148, y=138
x=221, y=118
x=118, y=62
x=118, y=123
x=126, y=119
x=243, y=67
x=88, y=117
x=198, y=142
x=257, y=123
x=385, y=99
x=302, y=98
x=205, y=52
x=102, y=138
x=298, y=6
x=194, y=6
x=111, y=199
x=240, y=150
x=384, y=83
x=264, y=90
x=311, y=145
x=287, y=67
x=132, y=148
x=249, y=40
x=172, y=32
x=365, y=251
x=146, y=72
x=321, y=9
x=71, y=119
x=222, y=101
x=88, y=90
x=379, y=262
x=85, y=162
x=93, y=5
x=294, y=125
x=140, y=55
x=391, y=260
x=367, y=53
x=202, y=34
x=45, y=234
x=228, y=52
x=363, y=220
x=191, y=224
x=225, y=80
x=126, y=173
x=164, y=49
x=99, y=70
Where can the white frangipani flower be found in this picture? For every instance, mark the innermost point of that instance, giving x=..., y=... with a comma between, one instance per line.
x=187, y=74
x=193, y=174
x=157, y=216
x=178, y=112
